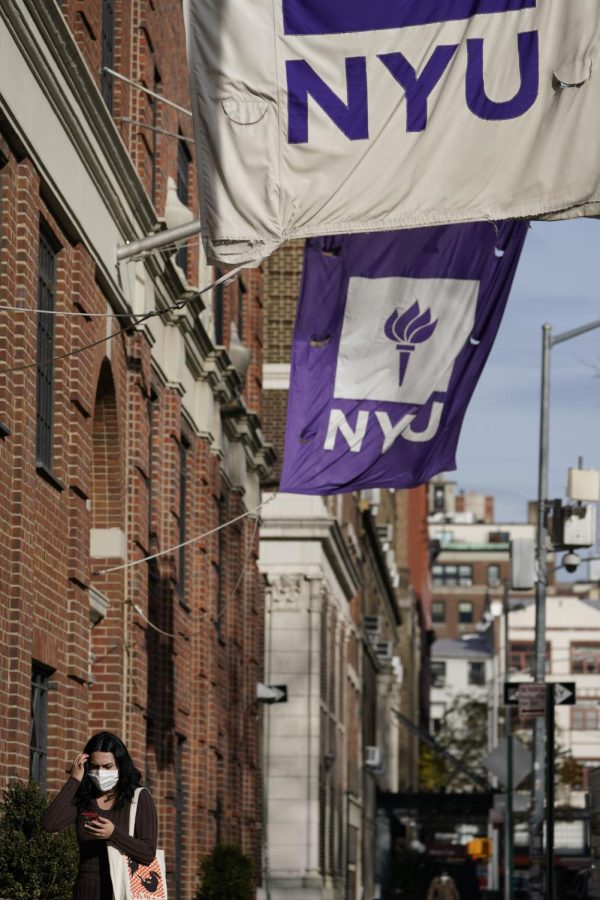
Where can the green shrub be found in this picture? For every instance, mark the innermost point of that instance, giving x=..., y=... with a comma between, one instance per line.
x=34, y=865
x=227, y=874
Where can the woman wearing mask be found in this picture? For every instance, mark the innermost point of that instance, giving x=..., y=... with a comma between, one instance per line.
x=96, y=799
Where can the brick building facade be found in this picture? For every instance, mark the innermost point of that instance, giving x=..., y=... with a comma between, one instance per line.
x=147, y=439
x=472, y=558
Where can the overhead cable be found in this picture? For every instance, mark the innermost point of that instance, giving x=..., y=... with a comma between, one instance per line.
x=193, y=540
x=223, y=279
x=229, y=600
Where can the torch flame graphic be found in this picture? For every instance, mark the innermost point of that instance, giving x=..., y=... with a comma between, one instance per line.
x=407, y=330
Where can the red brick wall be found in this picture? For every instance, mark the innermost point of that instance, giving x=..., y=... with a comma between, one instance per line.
x=184, y=700
x=45, y=558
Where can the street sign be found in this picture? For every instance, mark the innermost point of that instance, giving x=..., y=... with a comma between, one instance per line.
x=272, y=693
x=532, y=700
x=496, y=762
x=511, y=693
x=564, y=692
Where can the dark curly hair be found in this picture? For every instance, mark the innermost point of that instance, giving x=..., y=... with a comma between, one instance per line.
x=129, y=777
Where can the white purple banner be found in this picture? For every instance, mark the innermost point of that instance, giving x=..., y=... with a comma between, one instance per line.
x=351, y=116
x=392, y=333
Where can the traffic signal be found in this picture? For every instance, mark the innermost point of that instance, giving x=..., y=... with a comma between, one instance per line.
x=480, y=848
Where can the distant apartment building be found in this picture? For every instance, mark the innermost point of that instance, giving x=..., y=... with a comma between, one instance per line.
x=465, y=668
x=471, y=558
x=446, y=502
x=572, y=655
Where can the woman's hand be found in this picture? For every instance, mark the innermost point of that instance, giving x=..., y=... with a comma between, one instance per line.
x=77, y=769
x=100, y=828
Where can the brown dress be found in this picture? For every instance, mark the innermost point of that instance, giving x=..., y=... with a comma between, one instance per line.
x=93, y=879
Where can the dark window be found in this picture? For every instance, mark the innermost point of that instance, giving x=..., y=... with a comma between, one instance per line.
x=108, y=50
x=438, y=612
x=452, y=576
x=183, y=192
x=4, y=431
x=220, y=607
x=45, y=349
x=585, y=658
x=438, y=673
x=183, y=451
x=241, y=290
x=149, y=481
x=38, y=726
x=477, y=673
x=493, y=576
x=584, y=718
x=465, y=612
x=179, y=815
x=438, y=498
x=218, y=304
x=154, y=106
x=465, y=576
x=219, y=816
x=522, y=656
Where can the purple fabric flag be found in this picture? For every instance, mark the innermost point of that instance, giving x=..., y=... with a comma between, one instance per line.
x=392, y=333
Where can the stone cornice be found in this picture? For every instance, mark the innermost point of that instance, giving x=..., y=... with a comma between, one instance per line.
x=243, y=425
x=66, y=56
x=387, y=590
x=325, y=530
x=62, y=76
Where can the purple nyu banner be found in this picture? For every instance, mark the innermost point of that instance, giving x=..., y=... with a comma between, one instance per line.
x=392, y=333
x=340, y=16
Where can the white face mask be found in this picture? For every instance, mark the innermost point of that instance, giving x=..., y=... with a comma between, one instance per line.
x=105, y=779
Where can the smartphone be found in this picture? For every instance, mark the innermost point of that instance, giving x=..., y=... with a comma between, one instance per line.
x=90, y=816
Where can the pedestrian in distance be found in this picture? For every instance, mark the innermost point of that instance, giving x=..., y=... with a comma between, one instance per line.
x=443, y=887
x=97, y=799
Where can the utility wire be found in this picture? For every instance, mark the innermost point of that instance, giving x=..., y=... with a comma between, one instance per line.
x=242, y=574
x=198, y=537
x=229, y=600
x=66, y=313
x=52, y=359
x=224, y=279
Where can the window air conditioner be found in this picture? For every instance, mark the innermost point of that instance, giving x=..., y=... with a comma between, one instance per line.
x=384, y=651
x=372, y=625
x=373, y=757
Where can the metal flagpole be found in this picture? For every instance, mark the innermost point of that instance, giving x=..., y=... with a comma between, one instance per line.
x=550, y=792
x=536, y=822
x=145, y=90
x=158, y=240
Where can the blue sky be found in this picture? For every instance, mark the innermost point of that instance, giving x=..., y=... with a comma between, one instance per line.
x=558, y=281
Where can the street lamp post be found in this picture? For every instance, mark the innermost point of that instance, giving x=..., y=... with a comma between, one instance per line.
x=536, y=823
x=509, y=832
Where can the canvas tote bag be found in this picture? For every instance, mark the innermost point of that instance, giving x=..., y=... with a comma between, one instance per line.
x=132, y=880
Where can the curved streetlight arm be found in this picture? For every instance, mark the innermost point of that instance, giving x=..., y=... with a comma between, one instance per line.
x=574, y=332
